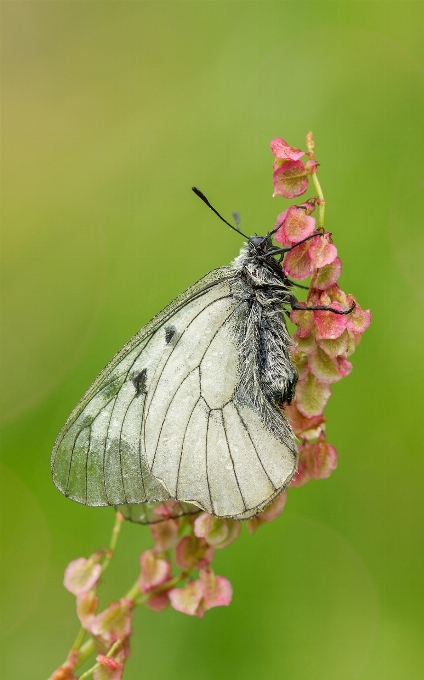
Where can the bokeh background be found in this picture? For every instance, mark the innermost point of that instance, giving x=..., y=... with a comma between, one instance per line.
x=111, y=112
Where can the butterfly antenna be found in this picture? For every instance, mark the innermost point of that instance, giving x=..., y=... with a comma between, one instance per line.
x=205, y=200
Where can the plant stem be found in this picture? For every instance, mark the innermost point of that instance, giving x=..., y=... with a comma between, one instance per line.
x=119, y=519
x=310, y=144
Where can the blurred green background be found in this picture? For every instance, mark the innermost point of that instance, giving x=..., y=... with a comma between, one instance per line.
x=111, y=112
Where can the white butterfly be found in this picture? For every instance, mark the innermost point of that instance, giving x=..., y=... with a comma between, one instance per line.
x=191, y=408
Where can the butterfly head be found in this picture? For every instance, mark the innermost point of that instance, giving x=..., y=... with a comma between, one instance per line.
x=260, y=243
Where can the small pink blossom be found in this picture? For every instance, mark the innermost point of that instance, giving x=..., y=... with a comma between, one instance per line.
x=283, y=151
x=196, y=597
x=297, y=263
x=312, y=396
x=273, y=510
x=304, y=320
x=335, y=347
x=296, y=225
x=303, y=426
x=324, y=368
x=193, y=552
x=322, y=251
x=81, y=575
x=290, y=179
x=113, y=623
x=326, y=276
x=86, y=607
x=217, y=531
x=165, y=534
x=154, y=571
x=358, y=320
x=110, y=669
x=188, y=599
x=330, y=325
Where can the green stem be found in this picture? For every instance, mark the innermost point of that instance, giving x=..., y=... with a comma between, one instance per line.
x=310, y=145
x=78, y=640
x=119, y=519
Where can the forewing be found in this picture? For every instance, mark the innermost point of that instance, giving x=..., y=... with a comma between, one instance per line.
x=99, y=458
x=208, y=446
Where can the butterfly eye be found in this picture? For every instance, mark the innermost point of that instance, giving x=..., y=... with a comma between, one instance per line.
x=258, y=241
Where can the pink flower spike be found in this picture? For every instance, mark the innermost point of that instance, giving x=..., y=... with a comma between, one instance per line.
x=290, y=179
x=188, y=600
x=273, y=510
x=327, y=275
x=81, y=575
x=114, y=622
x=325, y=369
x=154, y=571
x=297, y=263
x=358, y=320
x=311, y=396
x=322, y=252
x=282, y=150
x=330, y=325
x=165, y=534
x=193, y=553
x=217, y=590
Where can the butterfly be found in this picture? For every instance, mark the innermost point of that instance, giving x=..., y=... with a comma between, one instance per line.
x=192, y=407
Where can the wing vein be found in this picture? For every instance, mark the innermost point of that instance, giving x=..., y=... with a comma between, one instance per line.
x=232, y=460
x=254, y=447
x=182, y=446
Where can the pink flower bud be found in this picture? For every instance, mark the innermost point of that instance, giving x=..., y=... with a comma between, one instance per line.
x=327, y=275
x=312, y=166
x=324, y=459
x=193, y=553
x=305, y=344
x=290, y=179
x=296, y=225
x=165, y=534
x=273, y=510
x=81, y=575
x=312, y=395
x=217, y=532
x=154, y=571
x=297, y=263
x=109, y=663
x=282, y=150
x=158, y=602
x=322, y=251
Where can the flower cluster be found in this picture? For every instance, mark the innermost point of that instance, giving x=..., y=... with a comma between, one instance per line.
x=323, y=340
x=177, y=570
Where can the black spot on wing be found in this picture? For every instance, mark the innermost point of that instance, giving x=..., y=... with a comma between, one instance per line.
x=139, y=381
x=169, y=333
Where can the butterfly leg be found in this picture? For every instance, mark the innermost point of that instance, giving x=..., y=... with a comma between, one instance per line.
x=294, y=304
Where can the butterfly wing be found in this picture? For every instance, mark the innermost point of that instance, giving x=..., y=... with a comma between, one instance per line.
x=98, y=458
x=166, y=419
x=208, y=444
